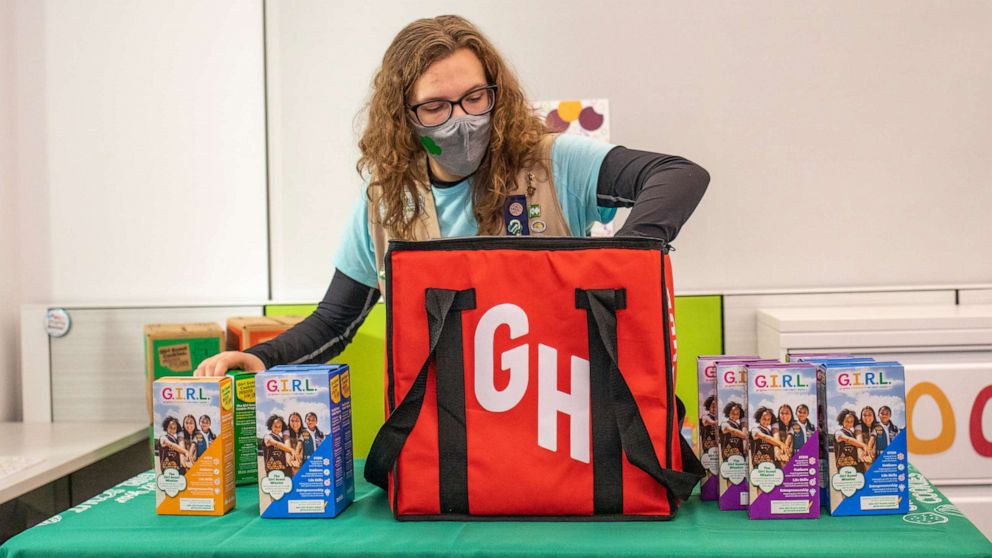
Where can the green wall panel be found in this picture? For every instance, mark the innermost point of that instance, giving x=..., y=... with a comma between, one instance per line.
x=699, y=330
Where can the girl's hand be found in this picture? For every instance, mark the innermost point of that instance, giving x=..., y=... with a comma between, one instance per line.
x=218, y=365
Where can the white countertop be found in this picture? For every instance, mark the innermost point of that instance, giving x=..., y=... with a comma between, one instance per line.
x=62, y=448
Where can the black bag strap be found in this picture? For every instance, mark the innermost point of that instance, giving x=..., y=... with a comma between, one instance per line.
x=443, y=308
x=620, y=407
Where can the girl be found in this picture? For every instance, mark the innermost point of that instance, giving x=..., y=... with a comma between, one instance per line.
x=733, y=431
x=763, y=439
x=205, y=436
x=190, y=438
x=846, y=443
x=889, y=428
x=783, y=431
x=803, y=427
x=294, y=439
x=276, y=450
x=869, y=430
x=169, y=449
x=707, y=425
x=314, y=436
x=451, y=141
x=208, y=434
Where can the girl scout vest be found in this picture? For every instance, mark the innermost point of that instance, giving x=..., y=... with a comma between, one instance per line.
x=530, y=377
x=536, y=214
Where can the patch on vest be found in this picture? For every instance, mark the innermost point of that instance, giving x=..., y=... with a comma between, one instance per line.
x=409, y=207
x=515, y=216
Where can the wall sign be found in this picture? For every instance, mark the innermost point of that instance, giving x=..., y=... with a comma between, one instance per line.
x=57, y=322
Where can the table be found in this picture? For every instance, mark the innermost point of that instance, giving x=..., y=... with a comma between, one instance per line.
x=122, y=522
x=61, y=448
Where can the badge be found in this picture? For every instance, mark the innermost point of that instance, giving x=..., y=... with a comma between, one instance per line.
x=57, y=322
x=409, y=205
x=538, y=227
x=514, y=216
x=534, y=210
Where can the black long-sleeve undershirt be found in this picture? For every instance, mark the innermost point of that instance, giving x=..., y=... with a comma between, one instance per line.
x=663, y=190
x=326, y=332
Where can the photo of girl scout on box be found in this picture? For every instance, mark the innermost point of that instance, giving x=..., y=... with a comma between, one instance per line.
x=275, y=451
x=868, y=430
x=887, y=430
x=179, y=446
x=312, y=436
x=764, y=437
x=782, y=430
x=733, y=431
x=802, y=427
x=451, y=141
x=859, y=442
x=707, y=425
x=288, y=443
x=294, y=439
x=847, y=442
x=169, y=450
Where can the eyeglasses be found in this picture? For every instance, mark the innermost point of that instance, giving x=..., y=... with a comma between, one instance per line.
x=476, y=102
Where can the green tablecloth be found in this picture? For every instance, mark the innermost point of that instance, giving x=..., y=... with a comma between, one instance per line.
x=122, y=522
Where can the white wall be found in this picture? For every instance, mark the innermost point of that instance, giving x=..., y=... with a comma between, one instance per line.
x=847, y=141
x=9, y=279
x=155, y=150
x=140, y=150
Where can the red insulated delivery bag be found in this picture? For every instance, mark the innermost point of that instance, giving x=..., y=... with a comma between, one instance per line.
x=531, y=377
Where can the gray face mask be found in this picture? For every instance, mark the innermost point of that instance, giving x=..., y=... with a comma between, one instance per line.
x=459, y=144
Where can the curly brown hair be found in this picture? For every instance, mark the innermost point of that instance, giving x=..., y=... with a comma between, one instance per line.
x=392, y=157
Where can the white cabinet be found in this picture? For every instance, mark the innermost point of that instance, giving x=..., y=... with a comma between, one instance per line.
x=947, y=352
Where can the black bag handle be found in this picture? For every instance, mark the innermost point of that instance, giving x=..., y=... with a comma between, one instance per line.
x=635, y=441
x=444, y=331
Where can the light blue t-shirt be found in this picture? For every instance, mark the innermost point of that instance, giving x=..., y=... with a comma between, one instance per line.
x=575, y=161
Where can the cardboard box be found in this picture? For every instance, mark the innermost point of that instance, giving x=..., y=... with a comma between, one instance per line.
x=245, y=445
x=306, y=459
x=784, y=447
x=707, y=424
x=248, y=331
x=866, y=412
x=194, y=446
x=177, y=349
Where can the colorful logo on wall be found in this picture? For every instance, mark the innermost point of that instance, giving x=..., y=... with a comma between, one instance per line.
x=586, y=117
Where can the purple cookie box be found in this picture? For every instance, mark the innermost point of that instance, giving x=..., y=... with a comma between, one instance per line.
x=801, y=475
x=709, y=488
x=734, y=497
